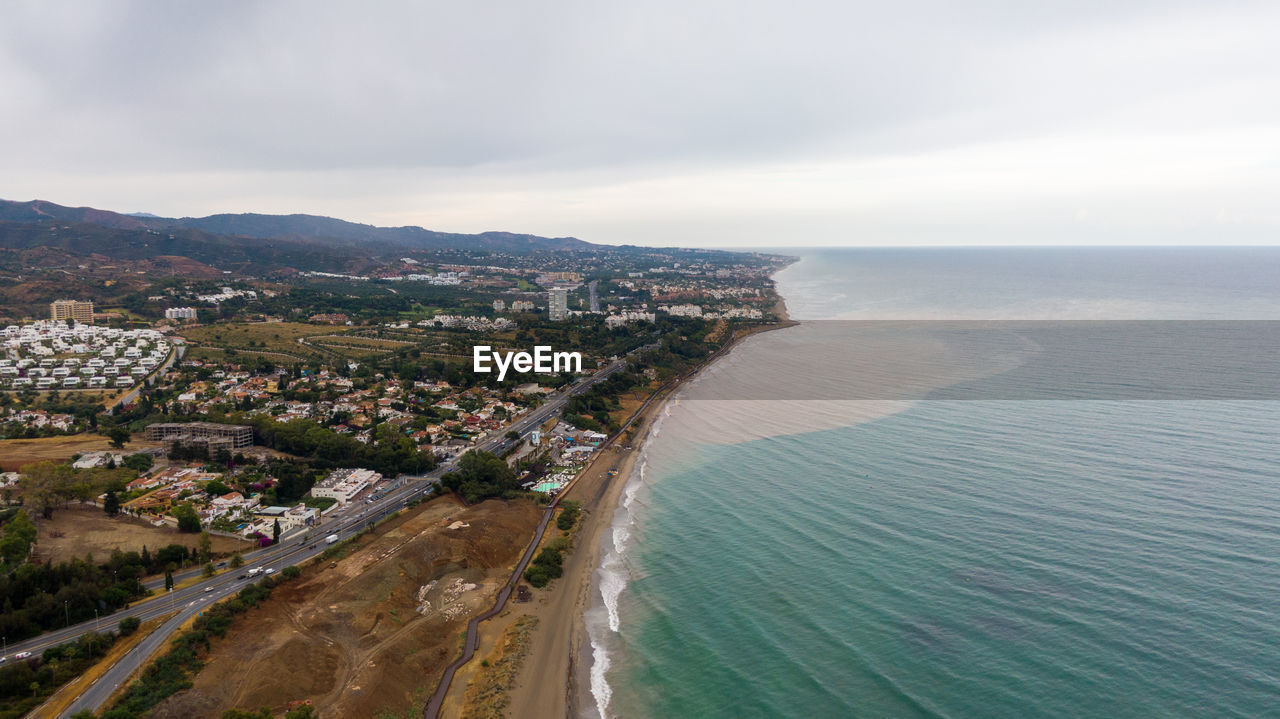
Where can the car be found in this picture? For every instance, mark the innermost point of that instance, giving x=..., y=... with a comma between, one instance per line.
x=243, y=576
x=208, y=589
x=221, y=565
x=268, y=570
x=22, y=655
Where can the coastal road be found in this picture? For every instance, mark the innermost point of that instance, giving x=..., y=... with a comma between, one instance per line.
x=187, y=602
x=472, y=641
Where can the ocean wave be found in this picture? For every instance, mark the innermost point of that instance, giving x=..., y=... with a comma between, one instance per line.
x=604, y=622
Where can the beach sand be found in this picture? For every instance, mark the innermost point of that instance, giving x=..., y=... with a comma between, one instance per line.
x=554, y=679
x=544, y=686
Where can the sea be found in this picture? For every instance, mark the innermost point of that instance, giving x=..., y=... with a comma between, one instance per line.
x=972, y=482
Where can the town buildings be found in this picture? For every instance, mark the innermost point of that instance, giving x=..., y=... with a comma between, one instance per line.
x=558, y=303
x=71, y=310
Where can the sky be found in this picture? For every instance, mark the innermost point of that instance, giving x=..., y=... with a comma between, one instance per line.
x=744, y=123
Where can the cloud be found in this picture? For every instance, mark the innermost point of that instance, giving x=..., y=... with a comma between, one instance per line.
x=720, y=123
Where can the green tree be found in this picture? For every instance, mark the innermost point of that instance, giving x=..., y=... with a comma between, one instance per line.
x=168, y=580
x=111, y=504
x=237, y=561
x=188, y=520
x=118, y=435
x=129, y=625
x=275, y=532
x=206, y=547
x=139, y=462
x=47, y=485
x=19, y=535
x=208, y=570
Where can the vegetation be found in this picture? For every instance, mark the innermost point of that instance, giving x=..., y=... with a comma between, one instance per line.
x=41, y=597
x=549, y=564
x=172, y=672
x=481, y=475
x=569, y=511
x=25, y=685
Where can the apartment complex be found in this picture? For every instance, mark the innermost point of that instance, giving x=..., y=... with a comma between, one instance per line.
x=558, y=303
x=210, y=434
x=71, y=310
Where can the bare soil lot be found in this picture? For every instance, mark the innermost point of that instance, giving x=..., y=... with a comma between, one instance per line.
x=84, y=529
x=16, y=452
x=373, y=633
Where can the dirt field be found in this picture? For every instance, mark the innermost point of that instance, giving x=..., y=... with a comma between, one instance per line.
x=373, y=633
x=267, y=336
x=82, y=529
x=16, y=452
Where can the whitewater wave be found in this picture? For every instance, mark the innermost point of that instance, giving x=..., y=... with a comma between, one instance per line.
x=604, y=621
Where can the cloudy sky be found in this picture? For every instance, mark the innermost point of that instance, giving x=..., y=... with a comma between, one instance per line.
x=709, y=123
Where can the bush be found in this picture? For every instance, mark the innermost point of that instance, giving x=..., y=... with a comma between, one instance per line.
x=546, y=566
x=568, y=515
x=129, y=625
x=291, y=572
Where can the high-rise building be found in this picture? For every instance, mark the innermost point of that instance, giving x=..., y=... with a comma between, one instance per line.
x=499, y=305
x=71, y=310
x=180, y=313
x=558, y=303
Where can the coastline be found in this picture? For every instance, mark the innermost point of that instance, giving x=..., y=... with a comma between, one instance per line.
x=554, y=680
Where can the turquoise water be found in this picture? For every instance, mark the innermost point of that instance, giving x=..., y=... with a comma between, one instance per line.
x=977, y=558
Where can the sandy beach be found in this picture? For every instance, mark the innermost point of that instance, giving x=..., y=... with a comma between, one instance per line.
x=553, y=679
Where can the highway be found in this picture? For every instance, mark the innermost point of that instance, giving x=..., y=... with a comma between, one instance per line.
x=294, y=550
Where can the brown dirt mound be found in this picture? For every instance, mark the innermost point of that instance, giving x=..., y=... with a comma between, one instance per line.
x=373, y=633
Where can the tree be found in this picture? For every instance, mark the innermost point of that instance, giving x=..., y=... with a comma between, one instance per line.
x=208, y=570
x=139, y=462
x=46, y=485
x=237, y=561
x=119, y=436
x=168, y=580
x=206, y=547
x=188, y=520
x=275, y=532
x=129, y=625
x=19, y=535
x=216, y=489
x=111, y=504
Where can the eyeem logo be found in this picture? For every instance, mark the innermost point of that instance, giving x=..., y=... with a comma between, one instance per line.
x=542, y=361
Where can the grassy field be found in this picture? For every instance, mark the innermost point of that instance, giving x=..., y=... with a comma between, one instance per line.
x=265, y=336
x=353, y=345
x=16, y=452
x=78, y=530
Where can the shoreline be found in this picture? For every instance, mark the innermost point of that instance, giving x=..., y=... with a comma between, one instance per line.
x=554, y=680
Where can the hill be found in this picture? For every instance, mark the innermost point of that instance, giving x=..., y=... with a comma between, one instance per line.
x=312, y=228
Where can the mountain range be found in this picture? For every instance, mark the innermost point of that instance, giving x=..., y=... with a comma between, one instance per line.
x=302, y=242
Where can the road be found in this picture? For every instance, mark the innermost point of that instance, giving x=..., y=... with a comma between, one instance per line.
x=472, y=641
x=179, y=349
x=295, y=549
